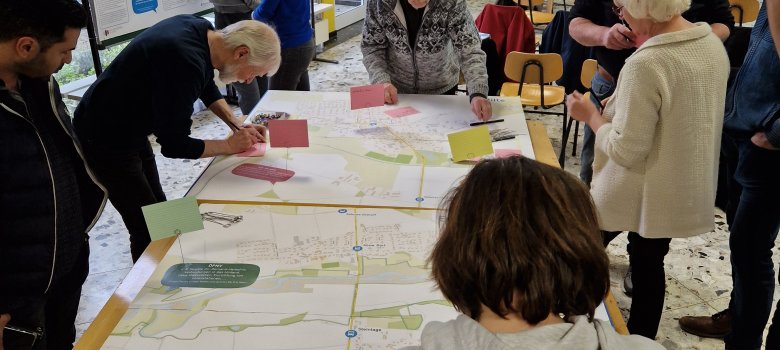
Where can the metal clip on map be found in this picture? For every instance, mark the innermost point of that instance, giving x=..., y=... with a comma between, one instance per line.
x=226, y=220
x=263, y=117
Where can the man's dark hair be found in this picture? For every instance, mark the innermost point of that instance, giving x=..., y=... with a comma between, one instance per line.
x=519, y=236
x=44, y=20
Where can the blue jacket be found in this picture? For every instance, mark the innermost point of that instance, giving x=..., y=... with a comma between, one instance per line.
x=753, y=100
x=33, y=252
x=290, y=18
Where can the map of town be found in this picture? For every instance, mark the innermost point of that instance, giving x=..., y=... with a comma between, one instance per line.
x=330, y=278
x=394, y=155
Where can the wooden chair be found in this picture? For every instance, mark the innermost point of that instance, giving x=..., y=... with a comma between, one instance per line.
x=564, y=3
x=744, y=10
x=534, y=72
x=589, y=68
x=537, y=17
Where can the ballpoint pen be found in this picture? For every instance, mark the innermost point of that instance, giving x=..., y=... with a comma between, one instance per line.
x=486, y=122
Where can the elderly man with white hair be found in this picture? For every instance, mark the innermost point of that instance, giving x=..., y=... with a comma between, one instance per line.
x=657, y=143
x=150, y=88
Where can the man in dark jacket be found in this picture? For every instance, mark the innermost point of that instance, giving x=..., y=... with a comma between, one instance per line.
x=150, y=89
x=48, y=197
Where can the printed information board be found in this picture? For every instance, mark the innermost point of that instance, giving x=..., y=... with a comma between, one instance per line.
x=120, y=20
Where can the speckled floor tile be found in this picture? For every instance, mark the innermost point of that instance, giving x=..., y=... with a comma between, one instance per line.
x=96, y=291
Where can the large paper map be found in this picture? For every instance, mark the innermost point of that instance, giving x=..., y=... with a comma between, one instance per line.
x=365, y=156
x=330, y=278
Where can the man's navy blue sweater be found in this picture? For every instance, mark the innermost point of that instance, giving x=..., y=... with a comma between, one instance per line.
x=150, y=89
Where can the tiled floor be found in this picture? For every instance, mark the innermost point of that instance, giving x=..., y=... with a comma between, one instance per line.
x=698, y=270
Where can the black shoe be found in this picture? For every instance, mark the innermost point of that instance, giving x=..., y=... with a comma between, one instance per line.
x=628, y=285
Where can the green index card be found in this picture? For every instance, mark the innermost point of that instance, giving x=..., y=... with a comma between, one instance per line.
x=172, y=217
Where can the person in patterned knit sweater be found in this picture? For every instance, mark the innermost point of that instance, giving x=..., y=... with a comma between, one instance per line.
x=421, y=47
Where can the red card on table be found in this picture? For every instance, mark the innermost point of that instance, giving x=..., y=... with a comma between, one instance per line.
x=506, y=153
x=257, y=150
x=288, y=133
x=401, y=112
x=367, y=96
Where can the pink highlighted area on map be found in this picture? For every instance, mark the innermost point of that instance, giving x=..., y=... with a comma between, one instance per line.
x=263, y=172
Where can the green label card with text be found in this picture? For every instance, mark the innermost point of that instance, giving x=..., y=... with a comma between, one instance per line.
x=211, y=275
x=172, y=217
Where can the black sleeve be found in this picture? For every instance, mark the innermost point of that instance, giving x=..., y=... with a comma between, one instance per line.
x=179, y=82
x=211, y=92
x=710, y=11
x=721, y=13
x=588, y=9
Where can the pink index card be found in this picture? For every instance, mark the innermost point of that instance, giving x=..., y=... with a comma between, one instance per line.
x=401, y=112
x=367, y=96
x=257, y=150
x=506, y=153
x=288, y=133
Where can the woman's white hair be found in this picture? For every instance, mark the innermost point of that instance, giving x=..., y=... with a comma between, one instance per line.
x=261, y=39
x=657, y=10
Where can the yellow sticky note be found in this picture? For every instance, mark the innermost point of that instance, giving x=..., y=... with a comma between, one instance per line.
x=474, y=142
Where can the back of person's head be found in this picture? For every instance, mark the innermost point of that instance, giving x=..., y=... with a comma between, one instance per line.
x=43, y=20
x=657, y=10
x=520, y=236
x=262, y=41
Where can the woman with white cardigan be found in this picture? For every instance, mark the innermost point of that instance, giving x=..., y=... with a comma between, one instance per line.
x=657, y=143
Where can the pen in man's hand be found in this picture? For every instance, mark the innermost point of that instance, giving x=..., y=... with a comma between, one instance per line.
x=233, y=127
x=486, y=122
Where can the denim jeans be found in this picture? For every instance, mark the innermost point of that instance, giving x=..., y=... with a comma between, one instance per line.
x=600, y=89
x=753, y=231
x=132, y=181
x=293, y=74
x=248, y=94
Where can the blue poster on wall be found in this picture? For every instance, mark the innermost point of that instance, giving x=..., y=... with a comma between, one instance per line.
x=141, y=6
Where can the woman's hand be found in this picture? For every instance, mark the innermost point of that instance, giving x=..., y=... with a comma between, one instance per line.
x=580, y=108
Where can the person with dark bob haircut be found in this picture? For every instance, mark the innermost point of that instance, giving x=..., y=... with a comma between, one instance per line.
x=520, y=255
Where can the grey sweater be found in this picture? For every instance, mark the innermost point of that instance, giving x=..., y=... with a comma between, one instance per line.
x=234, y=6
x=465, y=333
x=447, y=43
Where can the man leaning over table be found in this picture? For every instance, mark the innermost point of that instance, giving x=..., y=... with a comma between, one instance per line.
x=150, y=88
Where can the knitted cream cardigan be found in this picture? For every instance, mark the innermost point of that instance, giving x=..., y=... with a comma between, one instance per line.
x=656, y=162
